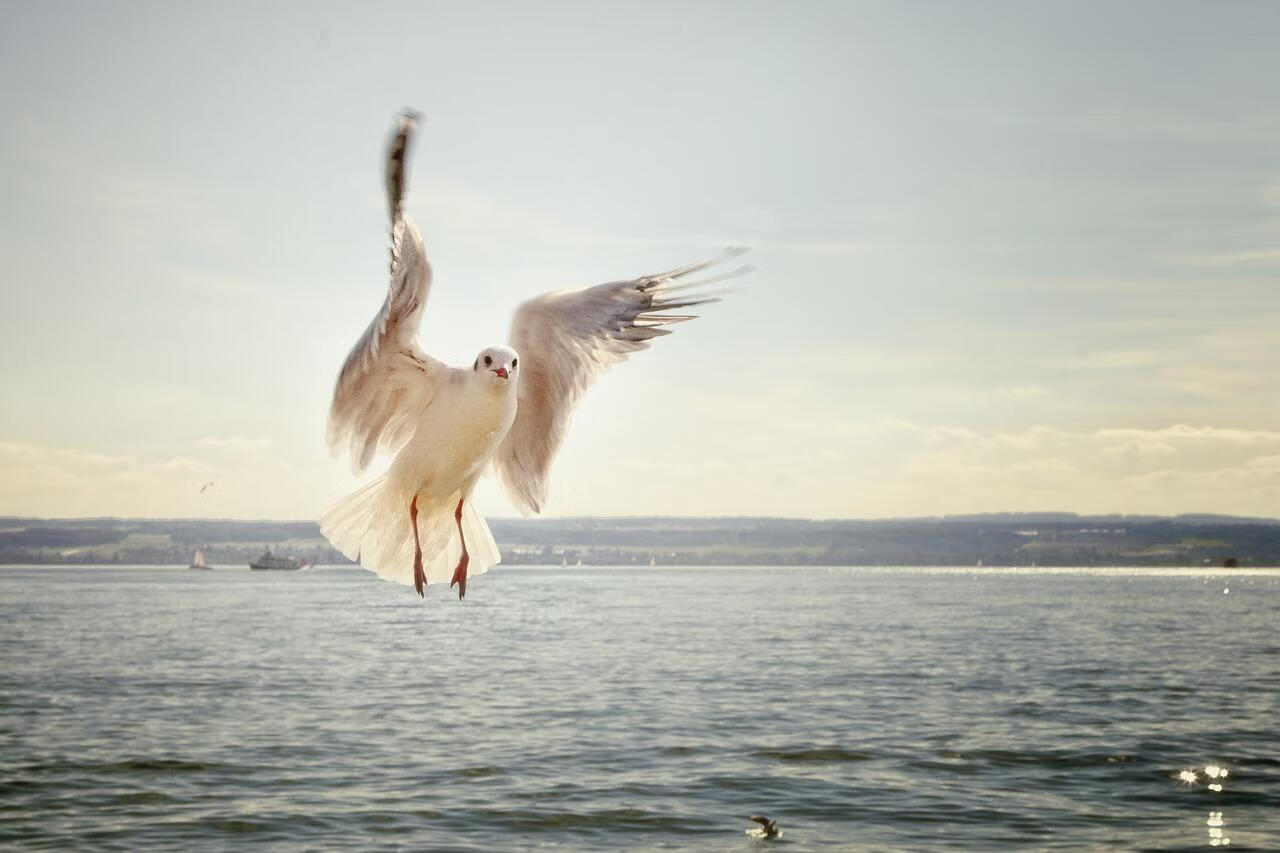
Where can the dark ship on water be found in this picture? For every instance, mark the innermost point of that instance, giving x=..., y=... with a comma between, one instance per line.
x=271, y=561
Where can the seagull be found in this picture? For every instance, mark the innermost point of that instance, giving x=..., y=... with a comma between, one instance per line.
x=446, y=426
x=766, y=829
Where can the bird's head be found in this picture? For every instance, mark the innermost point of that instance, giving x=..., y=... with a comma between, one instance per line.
x=497, y=364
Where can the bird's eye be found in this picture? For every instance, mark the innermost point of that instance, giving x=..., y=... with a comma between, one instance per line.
x=487, y=361
x=514, y=362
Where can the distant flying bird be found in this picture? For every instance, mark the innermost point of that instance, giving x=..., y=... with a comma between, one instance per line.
x=205, y=487
x=766, y=829
x=511, y=408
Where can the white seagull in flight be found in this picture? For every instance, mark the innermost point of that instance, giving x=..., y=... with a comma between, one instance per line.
x=511, y=407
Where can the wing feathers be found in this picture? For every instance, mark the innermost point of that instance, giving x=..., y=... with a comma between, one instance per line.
x=729, y=252
x=397, y=167
x=566, y=339
x=386, y=379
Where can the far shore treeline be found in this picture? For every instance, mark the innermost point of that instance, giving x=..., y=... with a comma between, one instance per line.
x=1013, y=539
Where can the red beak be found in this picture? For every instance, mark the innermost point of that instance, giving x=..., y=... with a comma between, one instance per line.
x=501, y=371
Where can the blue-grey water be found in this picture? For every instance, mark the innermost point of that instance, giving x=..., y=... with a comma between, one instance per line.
x=651, y=708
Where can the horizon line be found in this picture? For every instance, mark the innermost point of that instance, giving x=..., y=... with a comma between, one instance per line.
x=967, y=516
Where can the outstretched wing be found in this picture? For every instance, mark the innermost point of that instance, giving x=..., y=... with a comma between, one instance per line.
x=564, y=340
x=387, y=380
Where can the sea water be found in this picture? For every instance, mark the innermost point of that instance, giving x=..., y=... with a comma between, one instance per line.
x=640, y=708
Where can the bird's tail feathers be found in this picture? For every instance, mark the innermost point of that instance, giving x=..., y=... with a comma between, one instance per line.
x=480, y=544
x=372, y=526
x=347, y=523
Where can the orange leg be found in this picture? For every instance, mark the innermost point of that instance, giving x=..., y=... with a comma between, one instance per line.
x=419, y=580
x=460, y=573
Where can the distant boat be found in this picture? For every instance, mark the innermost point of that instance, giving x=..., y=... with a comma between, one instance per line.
x=197, y=561
x=270, y=561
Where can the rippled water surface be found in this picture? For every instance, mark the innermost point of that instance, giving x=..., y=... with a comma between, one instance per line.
x=647, y=708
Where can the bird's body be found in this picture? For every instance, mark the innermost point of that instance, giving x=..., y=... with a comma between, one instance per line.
x=453, y=440
x=457, y=435
x=448, y=425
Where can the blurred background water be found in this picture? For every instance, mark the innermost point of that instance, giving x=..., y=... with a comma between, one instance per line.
x=623, y=708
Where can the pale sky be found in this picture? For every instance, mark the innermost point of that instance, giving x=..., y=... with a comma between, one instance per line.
x=1010, y=256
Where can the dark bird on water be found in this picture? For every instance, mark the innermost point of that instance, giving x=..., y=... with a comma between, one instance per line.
x=767, y=829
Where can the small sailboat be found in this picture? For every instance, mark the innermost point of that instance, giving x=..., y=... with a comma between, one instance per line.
x=197, y=560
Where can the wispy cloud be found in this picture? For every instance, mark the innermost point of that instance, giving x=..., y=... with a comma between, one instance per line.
x=237, y=443
x=1115, y=359
x=1187, y=433
x=954, y=469
x=816, y=247
x=252, y=482
x=1021, y=392
x=467, y=209
x=1235, y=258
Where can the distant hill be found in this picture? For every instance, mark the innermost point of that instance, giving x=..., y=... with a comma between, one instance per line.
x=1000, y=539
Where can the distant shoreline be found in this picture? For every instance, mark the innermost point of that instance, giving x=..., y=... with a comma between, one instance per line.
x=1013, y=540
